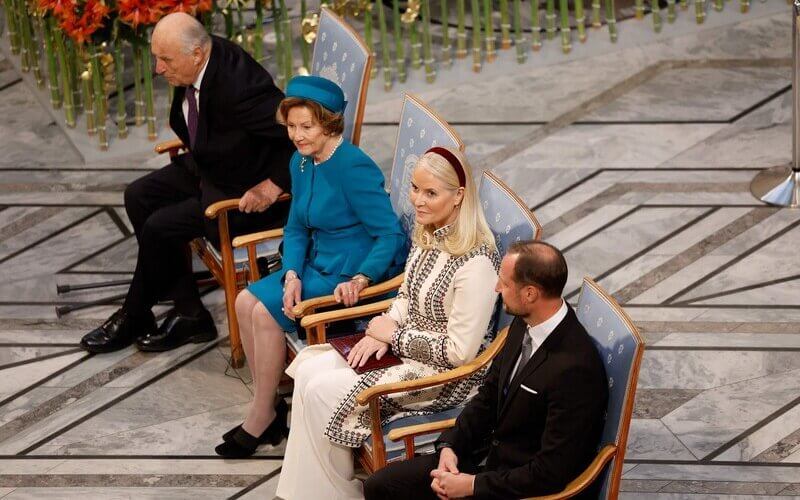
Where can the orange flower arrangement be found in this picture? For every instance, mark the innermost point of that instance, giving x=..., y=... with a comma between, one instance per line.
x=81, y=18
x=189, y=6
x=141, y=12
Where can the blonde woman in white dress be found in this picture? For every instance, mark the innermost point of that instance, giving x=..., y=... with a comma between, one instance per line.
x=438, y=321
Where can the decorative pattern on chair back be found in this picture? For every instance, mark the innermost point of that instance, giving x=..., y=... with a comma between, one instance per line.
x=419, y=130
x=340, y=55
x=620, y=347
x=509, y=219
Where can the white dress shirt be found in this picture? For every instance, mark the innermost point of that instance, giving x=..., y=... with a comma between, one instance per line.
x=540, y=332
x=196, y=84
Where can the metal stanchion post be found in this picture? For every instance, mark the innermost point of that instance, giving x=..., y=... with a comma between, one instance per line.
x=781, y=185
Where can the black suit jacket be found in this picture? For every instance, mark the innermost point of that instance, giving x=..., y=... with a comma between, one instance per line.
x=239, y=143
x=534, y=444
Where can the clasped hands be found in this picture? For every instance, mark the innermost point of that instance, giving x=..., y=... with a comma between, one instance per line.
x=448, y=482
x=259, y=197
x=345, y=293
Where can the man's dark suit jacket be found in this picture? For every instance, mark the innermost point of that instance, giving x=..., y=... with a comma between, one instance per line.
x=239, y=143
x=535, y=443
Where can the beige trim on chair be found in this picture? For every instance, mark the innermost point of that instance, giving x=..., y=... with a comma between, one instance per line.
x=510, y=192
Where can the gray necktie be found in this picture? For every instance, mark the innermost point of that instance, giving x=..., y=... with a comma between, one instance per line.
x=524, y=357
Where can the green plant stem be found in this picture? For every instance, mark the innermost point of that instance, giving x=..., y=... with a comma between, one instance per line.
x=611, y=20
x=50, y=56
x=286, y=28
x=138, y=90
x=416, y=46
x=119, y=63
x=536, y=27
x=519, y=39
x=399, y=46
x=279, y=42
x=258, y=32
x=566, y=35
x=100, y=104
x=639, y=9
x=476, y=36
x=580, y=20
x=430, y=72
x=488, y=29
x=656, y=12
x=461, y=30
x=446, y=46
x=671, y=14
x=149, y=103
x=387, y=69
x=66, y=80
x=505, y=26
x=305, y=49
x=700, y=11
x=550, y=20
x=13, y=31
x=596, y=22
x=373, y=72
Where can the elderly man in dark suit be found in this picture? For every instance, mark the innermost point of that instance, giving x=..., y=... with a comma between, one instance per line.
x=537, y=419
x=224, y=111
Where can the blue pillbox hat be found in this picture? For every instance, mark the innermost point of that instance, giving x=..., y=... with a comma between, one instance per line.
x=317, y=89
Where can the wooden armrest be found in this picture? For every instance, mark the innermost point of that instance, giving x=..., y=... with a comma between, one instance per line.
x=453, y=375
x=215, y=208
x=346, y=313
x=421, y=429
x=310, y=305
x=255, y=238
x=163, y=147
x=583, y=481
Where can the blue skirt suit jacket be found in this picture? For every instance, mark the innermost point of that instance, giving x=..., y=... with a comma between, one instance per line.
x=341, y=223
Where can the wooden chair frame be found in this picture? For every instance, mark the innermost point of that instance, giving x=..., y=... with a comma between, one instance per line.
x=224, y=269
x=604, y=456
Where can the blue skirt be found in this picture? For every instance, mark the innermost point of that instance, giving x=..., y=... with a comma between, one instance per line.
x=269, y=290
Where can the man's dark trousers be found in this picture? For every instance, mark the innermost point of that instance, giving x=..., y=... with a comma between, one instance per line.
x=166, y=208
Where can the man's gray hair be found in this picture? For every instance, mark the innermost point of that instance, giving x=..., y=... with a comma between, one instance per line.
x=193, y=36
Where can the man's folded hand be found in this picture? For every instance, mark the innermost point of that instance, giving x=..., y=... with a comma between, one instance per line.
x=259, y=197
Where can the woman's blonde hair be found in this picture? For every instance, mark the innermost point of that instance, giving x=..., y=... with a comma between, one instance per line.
x=470, y=229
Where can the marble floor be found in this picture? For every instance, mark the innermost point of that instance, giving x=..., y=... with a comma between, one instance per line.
x=637, y=160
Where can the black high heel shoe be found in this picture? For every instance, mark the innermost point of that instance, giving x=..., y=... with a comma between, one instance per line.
x=238, y=443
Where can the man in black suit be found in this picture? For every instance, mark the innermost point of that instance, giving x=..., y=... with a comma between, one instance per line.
x=539, y=415
x=224, y=111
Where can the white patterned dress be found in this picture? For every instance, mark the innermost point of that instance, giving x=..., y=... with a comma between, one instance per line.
x=443, y=309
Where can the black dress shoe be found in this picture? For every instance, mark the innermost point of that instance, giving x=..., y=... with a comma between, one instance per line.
x=238, y=443
x=119, y=331
x=177, y=330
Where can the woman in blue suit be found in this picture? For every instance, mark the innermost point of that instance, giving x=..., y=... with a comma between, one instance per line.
x=341, y=235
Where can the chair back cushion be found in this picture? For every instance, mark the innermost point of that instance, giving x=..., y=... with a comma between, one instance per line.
x=509, y=219
x=340, y=55
x=620, y=347
x=419, y=130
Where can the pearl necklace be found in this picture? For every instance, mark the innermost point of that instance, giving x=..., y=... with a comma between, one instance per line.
x=330, y=155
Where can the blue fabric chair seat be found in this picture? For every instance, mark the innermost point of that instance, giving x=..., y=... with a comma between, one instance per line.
x=396, y=450
x=263, y=249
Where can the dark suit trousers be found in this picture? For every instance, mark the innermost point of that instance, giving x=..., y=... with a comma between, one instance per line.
x=166, y=208
x=409, y=479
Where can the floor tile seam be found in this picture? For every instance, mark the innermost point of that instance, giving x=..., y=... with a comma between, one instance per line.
x=42, y=381
x=71, y=395
x=778, y=412
x=256, y=484
x=767, y=213
x=72, y=350
x=610, y=94
x=147, y=480
x=697, y=251
x=746, y=288
x=128, y=391
x=141, y=427
x=27, y=221
x=762, y=456
x=60, y=187
x=646, y=250
x=672, y=433
x=583, y=210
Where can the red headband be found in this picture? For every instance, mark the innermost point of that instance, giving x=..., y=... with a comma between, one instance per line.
x=453, y=160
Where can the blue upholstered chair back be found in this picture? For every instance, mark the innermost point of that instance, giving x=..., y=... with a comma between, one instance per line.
x=509, y=219
x=621, y=348
x=340, y=55
x=419, y=130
